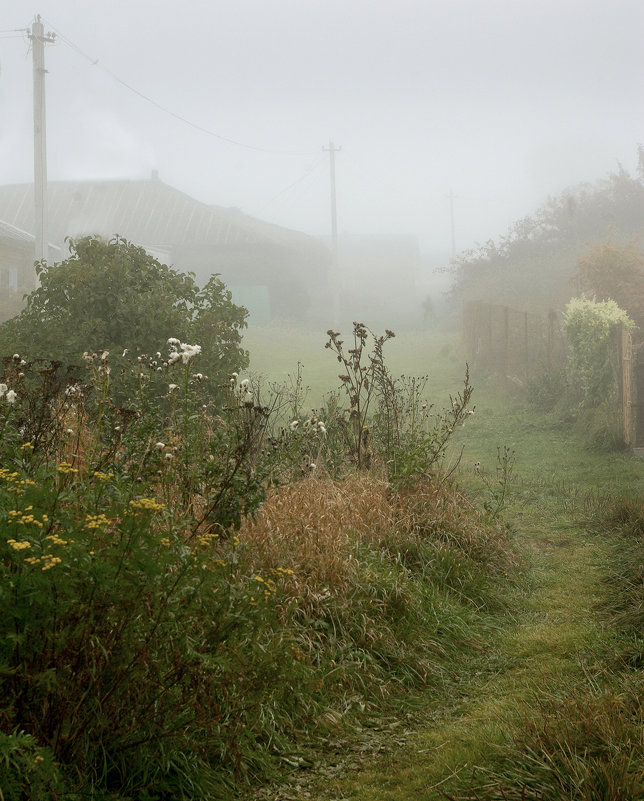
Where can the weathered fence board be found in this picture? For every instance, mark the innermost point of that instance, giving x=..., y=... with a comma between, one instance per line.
x=514, y=345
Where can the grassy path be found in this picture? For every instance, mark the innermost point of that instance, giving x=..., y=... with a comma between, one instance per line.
x=542, y=650
x=556, y=633
x=555, y=644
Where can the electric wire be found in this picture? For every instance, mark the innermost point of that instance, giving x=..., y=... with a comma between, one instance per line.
x=95, y=63
x=291, y=186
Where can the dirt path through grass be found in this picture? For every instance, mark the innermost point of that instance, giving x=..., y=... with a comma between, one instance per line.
x=556, y=632
x=541, y=651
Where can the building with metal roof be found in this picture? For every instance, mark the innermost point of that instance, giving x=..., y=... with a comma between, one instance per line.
x=279, y=270
x=17, y=274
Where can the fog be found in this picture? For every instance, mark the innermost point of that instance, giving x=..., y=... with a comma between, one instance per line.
x=499, y=103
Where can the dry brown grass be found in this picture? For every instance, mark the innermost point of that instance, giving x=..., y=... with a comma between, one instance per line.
x=313, y=526
x=310, y=527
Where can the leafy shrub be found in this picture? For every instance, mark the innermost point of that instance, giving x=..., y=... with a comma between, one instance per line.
x=589, y=326
x=403, y=432
x=176, y=615
x=547, y=390
x=112, y=296
x=27, y=770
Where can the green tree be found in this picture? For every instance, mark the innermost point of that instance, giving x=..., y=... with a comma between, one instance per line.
x=535, y=264
x=113, y=295
x=610, y=271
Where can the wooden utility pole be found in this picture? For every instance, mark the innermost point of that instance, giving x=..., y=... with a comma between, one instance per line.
x=335, y=288
x=451, y=198
x=38, y=40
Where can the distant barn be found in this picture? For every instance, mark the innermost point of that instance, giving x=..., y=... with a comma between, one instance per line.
x=275, y=272
x=17, y=276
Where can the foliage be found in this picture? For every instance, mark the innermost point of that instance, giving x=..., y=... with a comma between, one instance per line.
x=27, y=770
x=589, y=327
x=161, y=638
x=546, y=389
x=113, y=295
x=409, y=436
x=498, y=487
x=362, y=372
x=613, y=271
x=403, y=433
x=533, y=265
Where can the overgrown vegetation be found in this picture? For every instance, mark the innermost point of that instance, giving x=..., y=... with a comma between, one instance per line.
x=189, y=599
x=113, y=296
x=584, y=739
x=535, y=265
x=590, y=326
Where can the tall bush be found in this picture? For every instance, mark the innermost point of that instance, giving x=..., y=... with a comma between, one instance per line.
x=113, y=296
x=589, y=325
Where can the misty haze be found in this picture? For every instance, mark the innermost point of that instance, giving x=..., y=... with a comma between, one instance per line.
x=321, y=431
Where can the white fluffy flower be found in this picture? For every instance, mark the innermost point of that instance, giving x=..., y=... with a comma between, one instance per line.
x=160, y=446
x=172, y=386
x=173, y=341
x=189, y=352
x=294, y=424
x=11, y=396
x=3, y=389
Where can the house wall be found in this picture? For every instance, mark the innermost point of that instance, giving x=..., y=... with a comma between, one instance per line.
x=17, y=267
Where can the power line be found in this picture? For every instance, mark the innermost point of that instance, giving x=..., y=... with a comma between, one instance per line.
x=290, y=186
x=95, y=63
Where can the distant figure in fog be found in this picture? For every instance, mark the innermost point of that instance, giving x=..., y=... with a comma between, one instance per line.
x=428, y=311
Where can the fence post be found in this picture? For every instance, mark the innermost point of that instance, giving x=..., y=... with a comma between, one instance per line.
x=629, y=420
x=506, y=343
x=527, y=344
x=552, y=316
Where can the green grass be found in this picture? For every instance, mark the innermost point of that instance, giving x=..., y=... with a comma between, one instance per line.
x=513, y=725
x=406, y=652
x=276, y=349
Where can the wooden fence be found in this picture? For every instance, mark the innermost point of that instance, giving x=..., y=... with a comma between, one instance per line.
x=627, y=389
x=513, y=345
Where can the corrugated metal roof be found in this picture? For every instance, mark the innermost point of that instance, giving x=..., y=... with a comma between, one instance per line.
x=144, y=212
x=8, y=231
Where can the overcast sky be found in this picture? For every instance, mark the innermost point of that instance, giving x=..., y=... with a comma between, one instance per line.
x=502, y=102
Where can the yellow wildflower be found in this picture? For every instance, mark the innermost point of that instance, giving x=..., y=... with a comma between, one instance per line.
x=19, y=545
x=146, y=504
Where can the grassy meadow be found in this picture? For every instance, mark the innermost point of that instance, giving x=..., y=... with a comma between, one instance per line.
x=291, y=593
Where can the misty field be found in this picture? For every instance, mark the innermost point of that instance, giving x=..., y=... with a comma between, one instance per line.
x=217, y=598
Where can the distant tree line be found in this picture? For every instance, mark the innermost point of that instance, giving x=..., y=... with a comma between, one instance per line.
x=585, y=241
